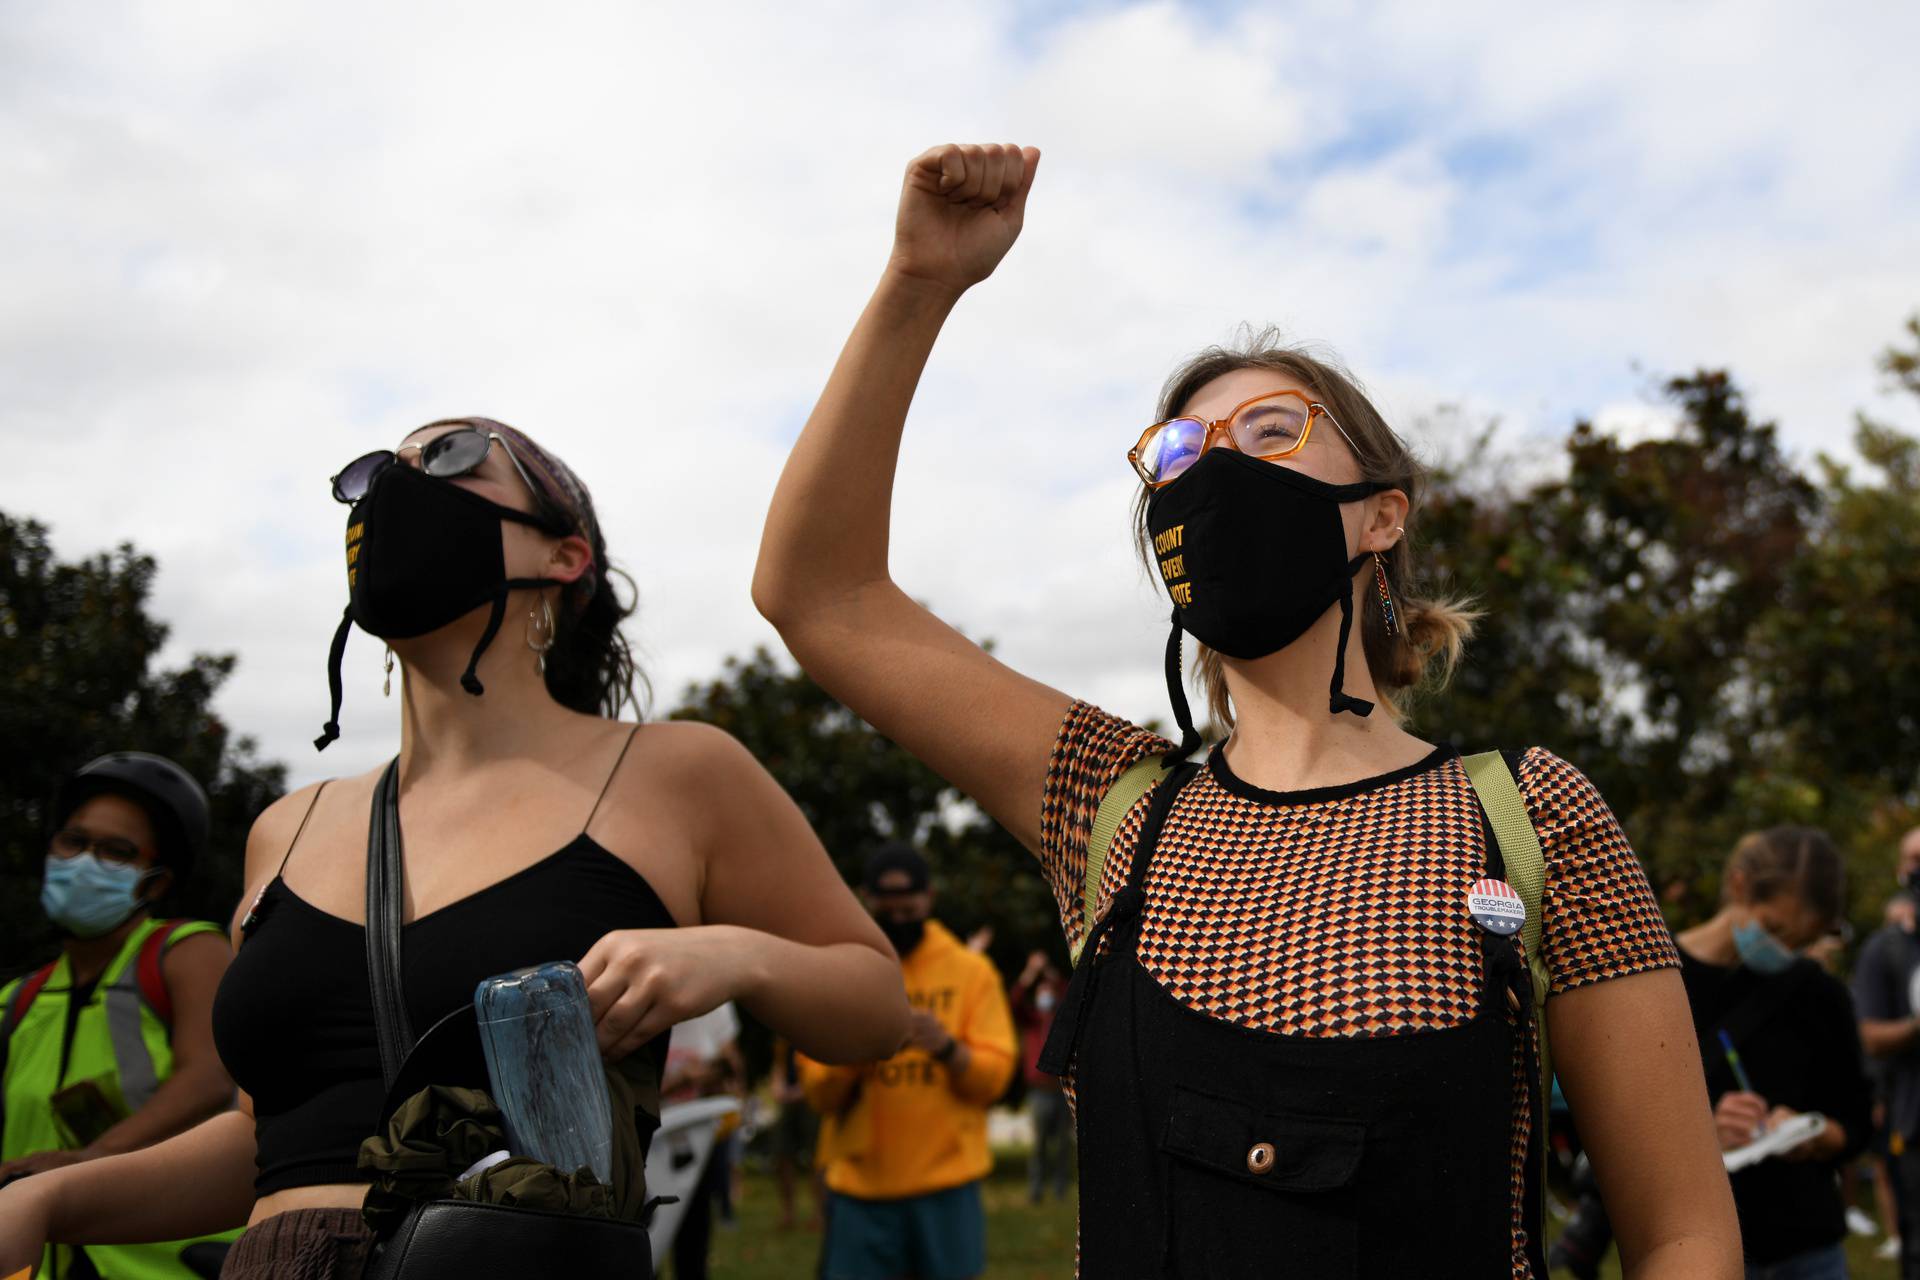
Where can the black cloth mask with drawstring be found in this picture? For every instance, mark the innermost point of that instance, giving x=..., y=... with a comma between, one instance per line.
x=1252, y=555
x=422, y=552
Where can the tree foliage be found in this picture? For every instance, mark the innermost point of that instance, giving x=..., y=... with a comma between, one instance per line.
x=1722, y=640
x=79, y=666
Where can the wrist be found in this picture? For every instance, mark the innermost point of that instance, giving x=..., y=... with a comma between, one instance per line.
x=923, y=293
x=754, y=962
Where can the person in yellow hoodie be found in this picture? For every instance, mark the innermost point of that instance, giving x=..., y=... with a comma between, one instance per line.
x=903, y=1142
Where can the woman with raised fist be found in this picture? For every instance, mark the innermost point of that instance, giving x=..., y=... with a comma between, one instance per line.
x=1301, y=1031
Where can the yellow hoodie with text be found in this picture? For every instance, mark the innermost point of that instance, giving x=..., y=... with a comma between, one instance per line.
x=909, y=1126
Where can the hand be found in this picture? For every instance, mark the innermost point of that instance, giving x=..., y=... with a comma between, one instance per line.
x=1824, y=1145
x=1900, y=912
x=925, y=1033
x=980, y=939
x=961, y=208
x=640, y=982
x=1738, y=1119
x=24, y=1226
x=1036, y=965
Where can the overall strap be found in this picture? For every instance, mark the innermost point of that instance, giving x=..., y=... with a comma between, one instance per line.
x=386, y=878
x=1517, y=845
x=1140, y=778
x=1124, y=911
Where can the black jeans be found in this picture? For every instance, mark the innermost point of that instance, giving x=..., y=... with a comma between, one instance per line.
x=1907, y=1183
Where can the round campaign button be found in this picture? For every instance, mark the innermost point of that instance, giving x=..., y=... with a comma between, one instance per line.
x=1495, y=907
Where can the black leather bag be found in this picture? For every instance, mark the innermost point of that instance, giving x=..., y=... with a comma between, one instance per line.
x=463, y=1239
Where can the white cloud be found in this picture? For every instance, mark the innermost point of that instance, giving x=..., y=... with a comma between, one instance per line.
x=242, y=246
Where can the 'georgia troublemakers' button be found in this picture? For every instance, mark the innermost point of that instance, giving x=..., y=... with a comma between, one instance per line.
x=1496, y=908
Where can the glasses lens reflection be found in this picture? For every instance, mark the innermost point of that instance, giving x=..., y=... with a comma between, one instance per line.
x=1172, y=449
x=455, y=453
x=356, y=477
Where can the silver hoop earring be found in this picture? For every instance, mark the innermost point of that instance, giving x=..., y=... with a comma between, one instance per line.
x=540, y=619
x=386, y=690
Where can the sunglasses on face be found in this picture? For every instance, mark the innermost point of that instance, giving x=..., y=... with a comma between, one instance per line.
x=71, y=842
x=457, y=453
x=1271, y=427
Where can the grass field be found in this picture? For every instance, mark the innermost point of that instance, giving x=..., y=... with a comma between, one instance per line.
x=1024, y=1242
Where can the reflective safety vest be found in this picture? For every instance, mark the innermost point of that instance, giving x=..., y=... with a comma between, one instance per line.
x=121, y=1050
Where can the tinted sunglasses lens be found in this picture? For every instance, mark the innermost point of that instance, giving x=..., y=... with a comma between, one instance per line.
x=455, y=453
x=1172, y=449
x=356, y=477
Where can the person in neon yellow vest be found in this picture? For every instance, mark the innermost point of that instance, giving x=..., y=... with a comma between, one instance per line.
x=110, y=1047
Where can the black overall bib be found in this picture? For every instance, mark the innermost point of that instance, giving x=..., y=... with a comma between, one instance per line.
x=1214, y=1150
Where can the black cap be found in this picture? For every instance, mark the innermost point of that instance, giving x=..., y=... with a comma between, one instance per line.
x=898, y=856
x=174, y=801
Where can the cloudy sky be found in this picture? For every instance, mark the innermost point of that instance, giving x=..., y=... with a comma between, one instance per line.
x=240, y=245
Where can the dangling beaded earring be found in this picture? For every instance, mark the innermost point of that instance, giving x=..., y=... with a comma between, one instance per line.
x=1386, y=599
x=540, y=619
x=386, y=690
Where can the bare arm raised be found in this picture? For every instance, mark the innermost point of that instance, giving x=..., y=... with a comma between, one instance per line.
x=822, y=576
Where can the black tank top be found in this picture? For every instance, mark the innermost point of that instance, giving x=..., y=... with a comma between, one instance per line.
x=293, y=1018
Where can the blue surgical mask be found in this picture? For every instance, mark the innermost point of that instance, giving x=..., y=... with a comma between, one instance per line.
x=1759, y=950
x=89, y=897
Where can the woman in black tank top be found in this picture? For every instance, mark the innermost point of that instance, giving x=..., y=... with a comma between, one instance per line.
x=661, y=858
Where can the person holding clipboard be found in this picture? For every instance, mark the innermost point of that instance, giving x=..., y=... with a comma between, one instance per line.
x=1781, y=1050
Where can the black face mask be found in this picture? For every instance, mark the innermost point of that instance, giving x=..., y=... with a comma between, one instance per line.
x=422, y=552
x=905, y=935
x=1252, y=555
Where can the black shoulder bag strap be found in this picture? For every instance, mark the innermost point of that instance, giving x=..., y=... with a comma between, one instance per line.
x=386, y=880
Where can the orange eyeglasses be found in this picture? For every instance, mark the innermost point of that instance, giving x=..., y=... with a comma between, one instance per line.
x=1272, y=426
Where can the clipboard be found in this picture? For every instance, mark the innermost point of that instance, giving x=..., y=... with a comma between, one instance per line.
x=1783, y=1137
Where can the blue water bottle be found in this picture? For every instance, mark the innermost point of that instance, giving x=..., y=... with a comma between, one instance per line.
x=544, y=1062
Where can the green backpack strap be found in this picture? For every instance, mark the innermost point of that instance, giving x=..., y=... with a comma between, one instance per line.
x=1139, y=779
x=1506, y=810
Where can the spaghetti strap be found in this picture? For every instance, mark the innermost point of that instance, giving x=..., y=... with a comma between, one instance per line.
x=608, y=784
x=304, y=819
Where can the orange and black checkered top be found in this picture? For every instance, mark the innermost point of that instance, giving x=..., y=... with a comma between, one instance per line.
x=1342, y=911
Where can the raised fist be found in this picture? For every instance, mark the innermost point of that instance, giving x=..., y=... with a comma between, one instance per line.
x=961, y=209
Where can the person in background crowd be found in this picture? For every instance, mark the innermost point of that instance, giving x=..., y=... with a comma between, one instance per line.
x=110, y=1047
x=703, y=1061
x=1885, y=1171
x=1036, y=995
x=1296, y=1045
x=795, y=1131
x=1884, y=992
x=1778, y=1039
x=904, y=1142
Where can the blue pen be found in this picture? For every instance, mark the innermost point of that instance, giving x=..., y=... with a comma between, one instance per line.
x=1739, y=1072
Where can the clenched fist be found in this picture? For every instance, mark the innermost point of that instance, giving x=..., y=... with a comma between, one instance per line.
x=961, y=209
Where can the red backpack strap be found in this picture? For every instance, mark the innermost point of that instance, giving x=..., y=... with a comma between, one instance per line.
x=23, y=997
x=153, y=983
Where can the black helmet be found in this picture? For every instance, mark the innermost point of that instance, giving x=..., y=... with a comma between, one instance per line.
x=174, y=802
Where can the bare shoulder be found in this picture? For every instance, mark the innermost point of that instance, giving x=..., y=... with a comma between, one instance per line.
x=202, y=954
x=273, y=832
x=688, y=754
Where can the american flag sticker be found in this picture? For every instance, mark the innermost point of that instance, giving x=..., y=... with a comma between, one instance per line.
x=1495, y=907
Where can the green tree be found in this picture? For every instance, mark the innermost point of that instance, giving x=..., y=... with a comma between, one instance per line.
x=78, y=678
x=1721, y=640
